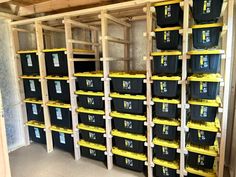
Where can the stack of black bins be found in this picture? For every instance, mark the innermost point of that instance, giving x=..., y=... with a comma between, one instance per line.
x=91, y=114
x=33, y=97
x=204, y=79
x=128, y=117
x=166, y=88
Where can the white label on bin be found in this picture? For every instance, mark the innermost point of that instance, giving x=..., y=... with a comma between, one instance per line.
x=207, y=6
x=203, y=87
x=204, y=61
x=58, y=114
x=32, y=85
x=92, y=136
x=62, y=138
x=89, y=83
x=203, y=111
x=58, y=86
x=165, y=130
x=36, y=132
x=128, y=124
x=55, y=59
x=91, y=118
x=165, y=171
x=128, y=105
x=164, y=60
x=201, y=160
x=165, y=107
x=167, y=36
x=129, y=144
x=92, y=152
x=167, y=11
x=29, y=60
x=129, y=162
x=126, y=85
x=165, y=151
x=206, y=36
x=163, y=86
x=90, y=101
x=201, y=135
x=34, y=109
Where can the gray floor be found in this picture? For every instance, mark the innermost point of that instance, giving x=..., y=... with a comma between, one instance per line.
x=33, y=161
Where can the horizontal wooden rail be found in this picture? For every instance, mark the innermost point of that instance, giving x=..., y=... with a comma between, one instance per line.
x=49, y=28
x=114, y=59
x=116, y=40
x=116, y=20
x=81, y=25
x=23, y=30
x=83, y=59
x=83, y=42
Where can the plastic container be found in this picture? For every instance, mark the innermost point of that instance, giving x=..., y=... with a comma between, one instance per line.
x=166, y=86
x=128, y=141
x=92, y=150
x=166, y=129
x=166, y=108
x=62, y=138
x=34, y=109
x=169, y=13
x=166, y=62
x=206, y=36
x=29, y=62
x=129, y=83
x=32, y=87
x=129, y=160
x=57, y=64
x=204, y=110
x=58, y=88
x=126, y=103
x=60, y=114
x=128, y=122
x=205, y=61
x=164, y=168
x=205, y=86
x=203, y=134
x=90, y=100
x=165, y=150
x=92, y=134
x=168, y=38
x=206, y=11
x=36, y=131
x=192, y=172
x=91, y=117
x=90, y=81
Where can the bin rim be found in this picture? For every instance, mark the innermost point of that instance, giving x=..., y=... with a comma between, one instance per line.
x=127, y=75
x=89, y=93
x=90, y=111
x=166, y=122
x=87, y=144
x=204, y=102
x=35, y=77
x=206, y=52
x=89, y=74
x=206, y=78
x=33, y=101
x=163, y=53
x=52, y=77
x=91, y=128
x=173, y=165
x=132, y=155
x=64, y=49
x=26, y=51
x=206, y=173
x=165, y=143
x=58, y=104
x=164, y=100
x=211, y=25
x=168, y=29
x=34, y=123
x=118, y=115
x=128, y=96
x=166, y=78
x=167, y=3
x=61, y=130
x=205, y=126
x=125, y=135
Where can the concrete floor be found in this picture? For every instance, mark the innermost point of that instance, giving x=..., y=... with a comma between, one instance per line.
x=33, y=161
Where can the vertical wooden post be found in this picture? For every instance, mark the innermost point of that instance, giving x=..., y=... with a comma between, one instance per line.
x=43, y=81
x=106, y=70
x=127, y=48
x=74, y=104
x=96, y=48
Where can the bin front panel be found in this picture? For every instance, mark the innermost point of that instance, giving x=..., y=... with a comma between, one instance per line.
x=34, y=112
x=29, y=64
x=32, y=88
x=60, y=117
x=37, y=135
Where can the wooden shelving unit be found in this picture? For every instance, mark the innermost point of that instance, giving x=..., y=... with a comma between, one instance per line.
x=120, y=14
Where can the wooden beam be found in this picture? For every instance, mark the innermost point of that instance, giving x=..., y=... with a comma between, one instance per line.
x=3, y=1
x=11, y=16
x=81, y=25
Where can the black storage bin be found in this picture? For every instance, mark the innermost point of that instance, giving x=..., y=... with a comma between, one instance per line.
x=36, y=132
x=32, y=87
x=129, y=160
x=129, y=142
x=60, y=114
x=90, y=81
x=169, y=13
x=29, y=62
x=128, y=122
x=58, y=88
x=205, y=86
x=206, y=61
x=164, y=168
x=206, y=11
x=166, y=86
x=166, y=108
x=90, y=100
x=206, y=36
x=92, y=134
x=166, y=62
x=62, y=139
x=193, y=172
x=92, y=150
x=128, y=83
x=166, y=129
x=126, y=103
x=34, y=109
x=204, y=110
x=168, y=38
x=91, y=117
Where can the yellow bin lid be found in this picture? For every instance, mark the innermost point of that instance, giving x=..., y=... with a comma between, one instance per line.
x=212, y=25
x=164, y=53
x=206, y=126
x=165, y=143
x=92, y=145
x=57, y=104
x=127, y=116
x=89, y=74
x=34, y=123
x=128, y=96
x=89, y=93
x=206, y=78
x=204, y=102
x=33, y=101
x=170, y=101
x=168, y=29
x=131, y=136
x=61, y=78
x=91, y=128
x=127, y=75
x=61, y=130
x=205, y=173
x=173, y=165
x=170, y=122
x=166, y=78
x=128, y=154
x=26, y=51
x=90, y=111
x=206, y=52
